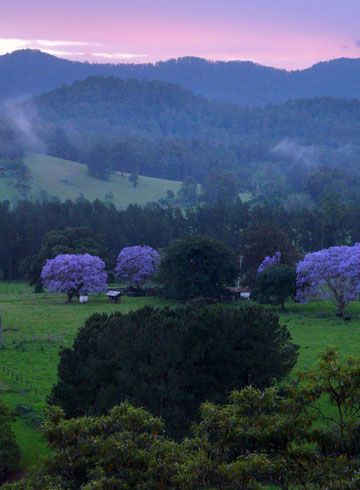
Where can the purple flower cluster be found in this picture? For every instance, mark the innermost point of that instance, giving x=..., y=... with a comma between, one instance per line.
x=74, y=274
x=137, y=264
x=332, y=273
x=269, y=262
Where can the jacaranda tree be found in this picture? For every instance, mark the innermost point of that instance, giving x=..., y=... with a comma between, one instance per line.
x=74, y=275
x=332, y=273
x=137, y=264
x=269, y=262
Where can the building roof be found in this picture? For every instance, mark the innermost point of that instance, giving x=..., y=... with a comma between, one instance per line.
x=113, y=294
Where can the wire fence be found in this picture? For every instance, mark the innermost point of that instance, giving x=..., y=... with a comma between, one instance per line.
x=20, y=379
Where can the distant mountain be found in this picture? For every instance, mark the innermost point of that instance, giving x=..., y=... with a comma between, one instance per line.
x=28, y=72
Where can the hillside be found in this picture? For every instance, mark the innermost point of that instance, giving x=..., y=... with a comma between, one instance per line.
x=132, y=108
x=68, y=180
x=27, y=72
x=164, y=131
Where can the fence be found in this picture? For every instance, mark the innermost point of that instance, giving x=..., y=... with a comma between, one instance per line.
x=18, y=378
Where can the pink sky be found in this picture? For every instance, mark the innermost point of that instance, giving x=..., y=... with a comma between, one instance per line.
x=283, y=33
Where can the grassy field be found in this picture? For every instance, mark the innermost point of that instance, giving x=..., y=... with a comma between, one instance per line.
x=36, y=327
x=67, y=179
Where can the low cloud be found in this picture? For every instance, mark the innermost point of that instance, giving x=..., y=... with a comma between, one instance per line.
x=24, y=122
x=118, y=56
x=75, y=50
x=309, y=155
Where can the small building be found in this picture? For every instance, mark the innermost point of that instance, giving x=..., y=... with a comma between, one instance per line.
x=239, y=292
x=114, y=296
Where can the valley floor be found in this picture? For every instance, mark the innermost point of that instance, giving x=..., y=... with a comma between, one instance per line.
x=36, y=327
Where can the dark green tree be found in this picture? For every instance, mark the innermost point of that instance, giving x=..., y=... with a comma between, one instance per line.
x=134, y=178
x=171, y=360
x=9, y=449
x=220, y=187
x=197, y=266
x=187, y=194
x=275, y=285
x=98, y=162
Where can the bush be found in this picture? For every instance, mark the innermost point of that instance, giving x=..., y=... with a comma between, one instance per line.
x=171, y=360
x=197, y=267
x=9, y=449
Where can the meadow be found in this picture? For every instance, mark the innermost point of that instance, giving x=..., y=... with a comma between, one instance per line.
x=67, y=180
x=36, y=327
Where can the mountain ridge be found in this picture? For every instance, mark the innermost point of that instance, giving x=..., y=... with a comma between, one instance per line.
x=25, y=73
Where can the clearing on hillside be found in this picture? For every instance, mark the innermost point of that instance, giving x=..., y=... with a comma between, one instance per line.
x=68, y=180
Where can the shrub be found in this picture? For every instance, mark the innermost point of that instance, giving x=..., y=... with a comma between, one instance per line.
x=171, y=360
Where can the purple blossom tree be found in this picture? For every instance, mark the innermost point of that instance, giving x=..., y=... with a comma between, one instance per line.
x=269, y=262
x=137, y=264
x=332, y=273
x=74, y=275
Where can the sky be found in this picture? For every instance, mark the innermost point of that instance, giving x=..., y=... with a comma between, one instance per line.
x=287, y=34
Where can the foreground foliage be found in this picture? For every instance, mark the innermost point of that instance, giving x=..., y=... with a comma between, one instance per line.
x=9, y=450
x=275, y=436
x=171, y=360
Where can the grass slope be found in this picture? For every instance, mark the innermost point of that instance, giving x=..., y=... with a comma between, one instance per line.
x=67, y=179
x=36, y=327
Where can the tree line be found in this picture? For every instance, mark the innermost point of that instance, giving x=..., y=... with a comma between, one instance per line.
x=250, y=230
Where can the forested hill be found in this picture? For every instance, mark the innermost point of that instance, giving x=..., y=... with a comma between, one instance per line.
x=162, y=130
x=29, y=72
x=112, y=108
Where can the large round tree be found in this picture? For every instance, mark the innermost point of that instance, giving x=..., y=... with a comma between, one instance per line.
x=332, y=273
x=197, y=266
x=74, y=275
x=170, y=360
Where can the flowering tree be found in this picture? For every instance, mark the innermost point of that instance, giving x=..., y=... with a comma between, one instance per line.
x=269, y=262
x=334, y=273
x=137, y=264
x=74, y=275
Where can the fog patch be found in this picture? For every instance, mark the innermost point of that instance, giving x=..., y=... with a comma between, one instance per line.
x=306, y=154
x=24, y=122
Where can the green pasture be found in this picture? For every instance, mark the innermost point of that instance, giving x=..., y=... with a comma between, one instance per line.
x=68, y=180
x=36, y=327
